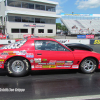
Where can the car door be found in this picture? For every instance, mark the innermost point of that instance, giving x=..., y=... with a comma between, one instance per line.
x=50, y=55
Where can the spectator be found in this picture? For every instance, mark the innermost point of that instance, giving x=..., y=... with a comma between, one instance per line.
x=2, y=32
x=7, y=35
x=61, y=33
x=88, y=31
x=80, y=31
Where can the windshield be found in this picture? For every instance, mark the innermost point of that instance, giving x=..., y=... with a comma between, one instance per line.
x=14, y=45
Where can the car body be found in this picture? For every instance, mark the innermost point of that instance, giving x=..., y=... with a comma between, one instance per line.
x=46, y=54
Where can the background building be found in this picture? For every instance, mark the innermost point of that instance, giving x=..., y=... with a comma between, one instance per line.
x=28, y=17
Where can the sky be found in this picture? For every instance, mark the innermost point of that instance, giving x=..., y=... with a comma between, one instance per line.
x=77, y=7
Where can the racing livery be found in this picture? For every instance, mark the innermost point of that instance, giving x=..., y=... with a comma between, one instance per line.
x=46, y=54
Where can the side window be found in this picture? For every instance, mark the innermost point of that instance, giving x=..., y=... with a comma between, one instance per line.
x=49, y=45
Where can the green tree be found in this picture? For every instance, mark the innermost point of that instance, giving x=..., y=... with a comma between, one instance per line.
x=60, y=27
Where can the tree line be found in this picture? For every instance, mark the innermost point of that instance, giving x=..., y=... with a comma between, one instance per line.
x=60, y=27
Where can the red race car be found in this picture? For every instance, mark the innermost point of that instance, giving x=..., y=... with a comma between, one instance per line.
x=47, y=54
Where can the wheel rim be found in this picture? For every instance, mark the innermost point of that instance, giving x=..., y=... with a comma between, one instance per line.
x=88, y=65
x=17, y=66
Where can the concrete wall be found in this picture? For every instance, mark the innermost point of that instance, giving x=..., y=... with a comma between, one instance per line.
x=67, y=41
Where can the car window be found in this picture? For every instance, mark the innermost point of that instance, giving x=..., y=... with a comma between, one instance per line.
x=49, y=45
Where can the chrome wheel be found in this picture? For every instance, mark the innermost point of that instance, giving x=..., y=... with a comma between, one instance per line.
x=88, y=65
x=17, y=66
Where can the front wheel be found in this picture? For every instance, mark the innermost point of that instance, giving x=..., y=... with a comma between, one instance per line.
x=17, y=67
x=88, y=65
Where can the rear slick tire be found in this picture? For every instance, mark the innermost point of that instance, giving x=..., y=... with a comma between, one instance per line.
x=17, y=67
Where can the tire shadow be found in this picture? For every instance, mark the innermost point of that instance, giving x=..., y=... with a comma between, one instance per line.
x=54, y=72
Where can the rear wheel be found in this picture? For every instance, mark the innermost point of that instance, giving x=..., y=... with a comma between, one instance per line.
x=88, y=65
x=18, y=67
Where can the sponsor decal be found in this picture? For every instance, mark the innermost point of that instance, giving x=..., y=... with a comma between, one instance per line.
x=1, y=62
x=97, y=42
x=4, y=53
x=20, y=53
x=45, y=66
x=1, y=59
x=75, y=66
x=99, y=62
x=0, y=66
x=23, y=51
x=59, y=63
x=62, y=41
x=31, y=61
x=15, y=51
x=37, y=60
x=3, y=56
x=44, y=60
x=52, y=66
x=94, y=41
x=29, y=55
x=34, y=25
x=81, y=36
x=52, y=61
x=49, y=66
x=32, y=66
x=89, y=36
x=42, y=63
x=12, y=54
x=68, y=62
x=7, y=51
x=38, y=66
x=67, y=66
x=59, y=66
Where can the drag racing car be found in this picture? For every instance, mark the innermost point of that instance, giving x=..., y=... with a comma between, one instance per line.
x=47, y=54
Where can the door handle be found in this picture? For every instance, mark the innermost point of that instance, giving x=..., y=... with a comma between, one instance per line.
x=39, y=53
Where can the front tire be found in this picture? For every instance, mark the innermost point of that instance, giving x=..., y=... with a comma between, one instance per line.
x=17, y=67
x=88, y=65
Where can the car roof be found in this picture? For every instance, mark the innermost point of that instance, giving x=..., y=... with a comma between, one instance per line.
x=31, y=39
